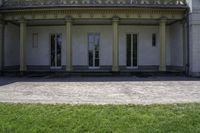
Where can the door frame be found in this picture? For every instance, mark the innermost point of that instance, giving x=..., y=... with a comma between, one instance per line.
x=94, y=67
x=55, y=67
x=132, y=33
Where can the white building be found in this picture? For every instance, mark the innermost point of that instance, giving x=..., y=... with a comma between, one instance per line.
x=100, y=36
x=194, y=37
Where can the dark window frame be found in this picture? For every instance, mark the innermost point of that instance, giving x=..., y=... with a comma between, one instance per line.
x=35, y=40
x=154, y=40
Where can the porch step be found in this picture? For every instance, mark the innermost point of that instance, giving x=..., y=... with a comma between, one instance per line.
x=90, y=74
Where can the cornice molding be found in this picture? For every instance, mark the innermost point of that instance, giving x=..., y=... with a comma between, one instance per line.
x=92, y=3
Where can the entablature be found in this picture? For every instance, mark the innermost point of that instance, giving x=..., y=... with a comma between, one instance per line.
x=16, y=4
x=174, y=14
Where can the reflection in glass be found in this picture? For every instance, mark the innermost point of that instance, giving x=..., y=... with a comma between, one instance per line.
x=53, y=50
x=128, y=47
x=131, y=50
x=134, y=50
x=59, y=44
x=93, y=49
x=56, y=50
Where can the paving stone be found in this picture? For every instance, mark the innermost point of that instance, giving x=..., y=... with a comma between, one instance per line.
x=100, y=90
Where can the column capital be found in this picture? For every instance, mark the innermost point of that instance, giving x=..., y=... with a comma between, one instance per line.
x=68, y=19
x=115, y=19
x=163, y=20
x=22, y=20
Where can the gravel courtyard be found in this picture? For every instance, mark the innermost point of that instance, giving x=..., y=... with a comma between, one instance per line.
x=100, y=90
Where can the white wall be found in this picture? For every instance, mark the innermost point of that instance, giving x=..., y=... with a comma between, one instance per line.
x=11, y=49
x=194, y=42
x=41, y=55
x=176, y=43
x=195, y=49
x=194, y=5
x=80, y=44
x=147, y=54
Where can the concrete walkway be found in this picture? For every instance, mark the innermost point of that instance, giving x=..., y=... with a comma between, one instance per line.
x=100, y=90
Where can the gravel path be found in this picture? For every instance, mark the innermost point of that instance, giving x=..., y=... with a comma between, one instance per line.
x=103, y=90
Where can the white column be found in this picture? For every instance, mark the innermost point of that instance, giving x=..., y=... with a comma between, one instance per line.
x=23, y=27
x=162, y=30
x=115, y=48
x=68, y=29
x=1, y=44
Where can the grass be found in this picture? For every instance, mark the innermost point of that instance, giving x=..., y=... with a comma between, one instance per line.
x=30, y=118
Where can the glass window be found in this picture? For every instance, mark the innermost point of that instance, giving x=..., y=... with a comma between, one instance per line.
x=93, y=49
x=154, y=40
x=59, y=45
x=135, y=50
x=35, y=40
x=56, y=50
x=53, y=50
x=128, y=53
x=131, y=50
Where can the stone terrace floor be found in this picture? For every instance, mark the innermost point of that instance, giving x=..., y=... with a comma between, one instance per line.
x=100, y=90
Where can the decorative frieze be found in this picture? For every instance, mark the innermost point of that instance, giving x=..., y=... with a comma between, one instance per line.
x=96, y=14
x=89, y=3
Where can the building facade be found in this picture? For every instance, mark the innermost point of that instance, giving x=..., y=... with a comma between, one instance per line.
x=194, y=41
x=100, y=36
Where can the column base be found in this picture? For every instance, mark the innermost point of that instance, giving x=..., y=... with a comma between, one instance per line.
x=69, y=69
x=115, y=69
x=22, y=73
x=162, y=68
x=23, y=68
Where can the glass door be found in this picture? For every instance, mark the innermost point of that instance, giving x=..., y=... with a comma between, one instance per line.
x=56, y=50
x=131, y=52
x=93, y=50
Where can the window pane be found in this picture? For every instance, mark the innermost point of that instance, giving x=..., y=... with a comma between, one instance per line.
x=90, y=47
x=128, y=51
x=53, y=50
x=59, y=49
x=91, y=38
x=134, y=49
x=93, y=49
x=97, y=39
x=90, y=54
x=96, y=62
x=35, y=40
x=153, y=40
x=96, y=54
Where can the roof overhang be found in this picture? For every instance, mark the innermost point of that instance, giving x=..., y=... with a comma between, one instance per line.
x=42, y=4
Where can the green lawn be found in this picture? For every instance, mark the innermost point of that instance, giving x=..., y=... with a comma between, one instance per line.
x=183, y=118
